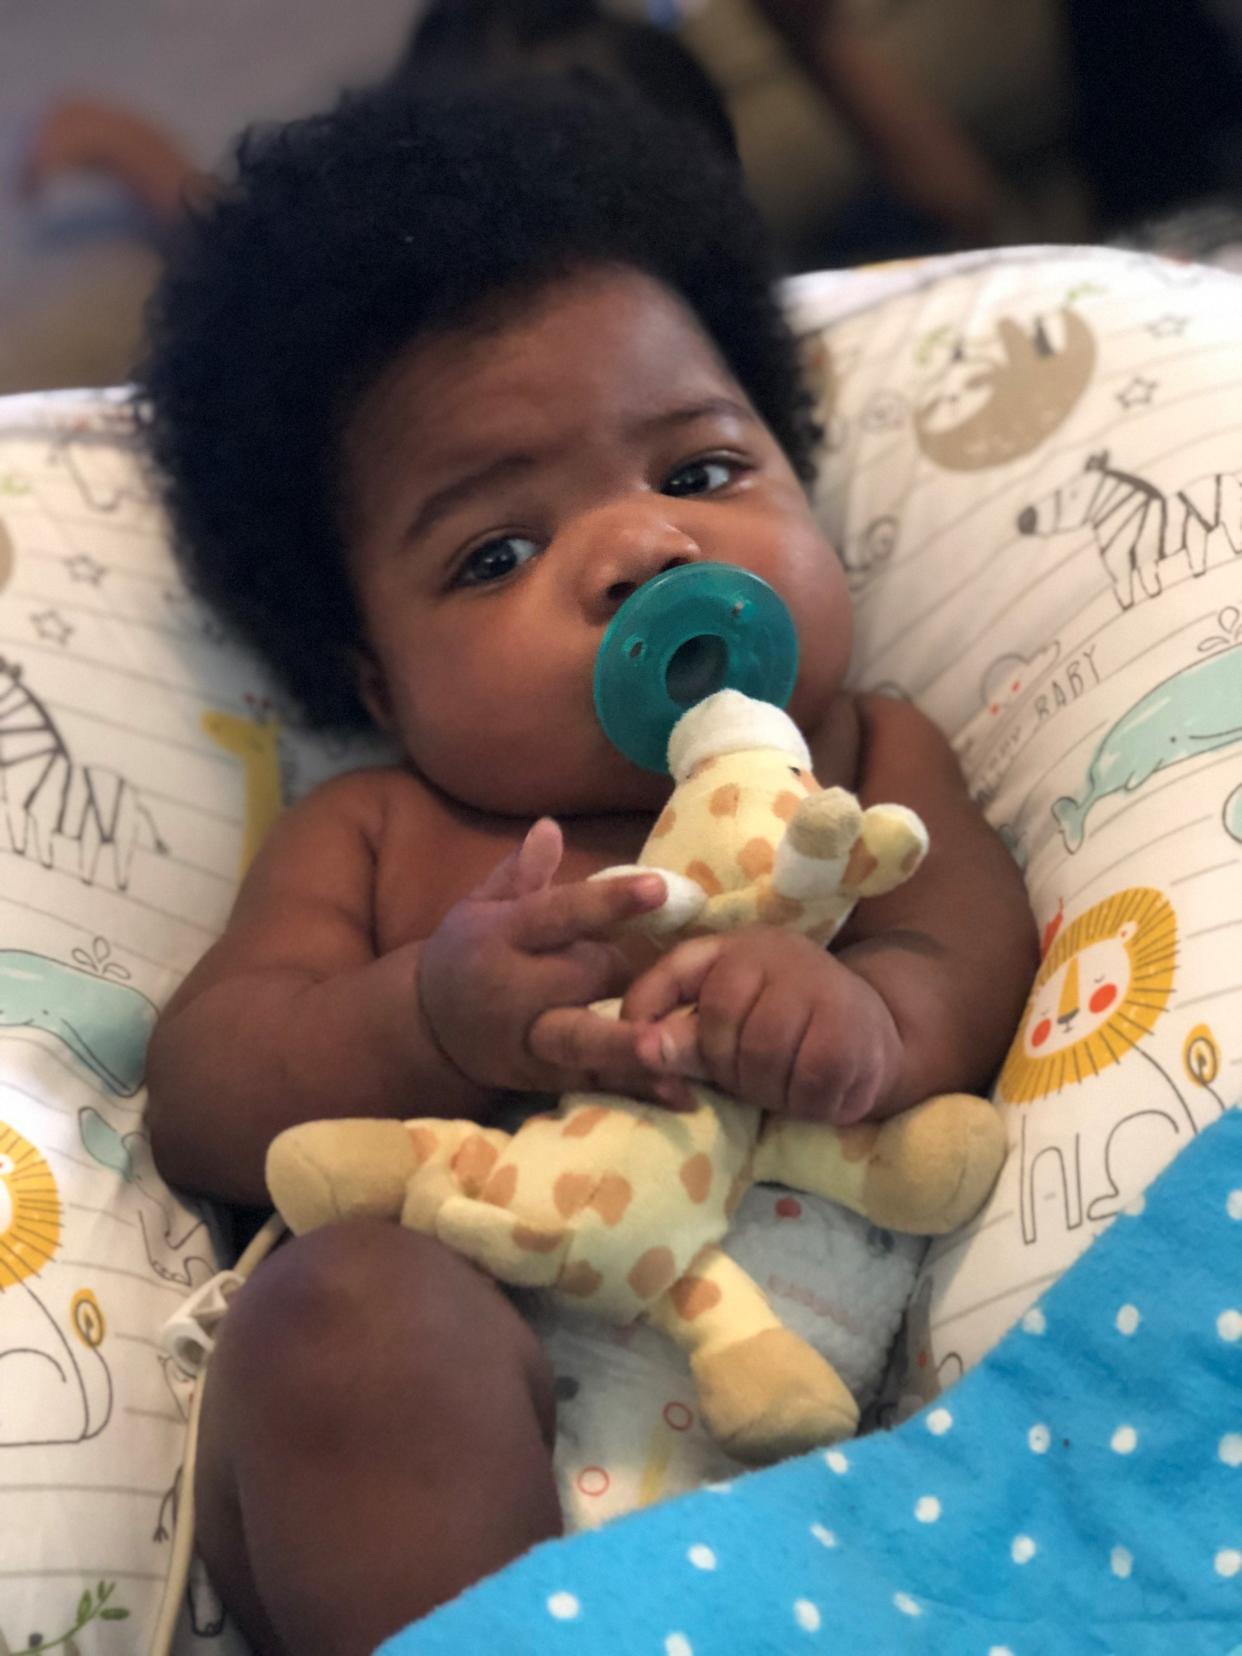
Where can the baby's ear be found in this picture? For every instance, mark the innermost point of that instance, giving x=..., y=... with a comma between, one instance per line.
x=372, y=688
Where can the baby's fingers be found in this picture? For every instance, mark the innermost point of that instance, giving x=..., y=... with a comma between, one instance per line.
x=565, y=914
x=581, y=974
x=598, y=1054
x=596, y=1051
x=529, y=866
x=671, y=1048
x=675, y=980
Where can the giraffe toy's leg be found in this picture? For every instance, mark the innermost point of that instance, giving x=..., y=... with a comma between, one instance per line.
x=764, y=1392
x=455, y=1159
x=926, y=1171
x=524, y=1254
x=323, y=1171
x=892, y=844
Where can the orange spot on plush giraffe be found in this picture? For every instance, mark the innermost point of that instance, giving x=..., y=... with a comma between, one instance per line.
x=622, y=1208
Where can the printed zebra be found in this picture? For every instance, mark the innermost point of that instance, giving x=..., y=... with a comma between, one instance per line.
x=1137, y=526
x=45, y=794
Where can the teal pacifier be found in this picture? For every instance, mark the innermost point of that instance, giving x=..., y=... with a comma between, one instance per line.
x=680, y=637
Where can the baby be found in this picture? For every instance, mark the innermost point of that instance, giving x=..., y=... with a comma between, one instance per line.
x=436, y=384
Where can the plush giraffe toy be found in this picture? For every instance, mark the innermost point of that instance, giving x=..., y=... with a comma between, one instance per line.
x=619, y=1207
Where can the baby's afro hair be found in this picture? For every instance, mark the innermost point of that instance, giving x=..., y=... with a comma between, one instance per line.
x=343, y=237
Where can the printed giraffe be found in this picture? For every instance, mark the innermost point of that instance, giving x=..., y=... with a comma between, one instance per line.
x=256, y=742
x=618, y=1207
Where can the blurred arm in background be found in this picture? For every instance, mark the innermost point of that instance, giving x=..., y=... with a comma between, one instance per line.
x=917, y=147
x=90, y=135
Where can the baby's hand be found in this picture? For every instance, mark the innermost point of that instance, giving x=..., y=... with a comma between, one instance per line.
x=779, y=1023
x=519, y=948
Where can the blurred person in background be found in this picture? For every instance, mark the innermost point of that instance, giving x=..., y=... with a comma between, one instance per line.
x=915, y=147
x=917, y=150
x=450, y=39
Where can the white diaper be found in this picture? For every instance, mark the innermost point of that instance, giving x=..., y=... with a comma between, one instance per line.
x=628, y=1427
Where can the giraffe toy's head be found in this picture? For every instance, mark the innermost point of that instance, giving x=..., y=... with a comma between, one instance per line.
x=750, y=835
x=728, y=724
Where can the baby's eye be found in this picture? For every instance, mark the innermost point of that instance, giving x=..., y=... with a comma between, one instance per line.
x=698, y=477
x=495, y=559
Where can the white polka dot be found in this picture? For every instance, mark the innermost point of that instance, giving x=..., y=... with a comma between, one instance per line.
x=564, y=1606
x=907, y=1605
x=1228, y=1561
x=1039, y=1438
x=825, y=1537
x=1023, y=1549
x=1120, y=1562
x=1035, y=1322
x=703, y=1558
x=1124, y=1441
x=927, y=1509
x=807, y=1615
x=1233, y=1206
x=1230, y=1450
x=1128, y=1319
x=1229, y=1325
x=719, y=1489
x=1136, y=1208
x=835, y=1461
x=999, y=1650
x=677, y=1644
x=938, y=1422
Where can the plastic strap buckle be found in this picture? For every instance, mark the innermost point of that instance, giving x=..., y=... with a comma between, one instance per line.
x=189, y=1335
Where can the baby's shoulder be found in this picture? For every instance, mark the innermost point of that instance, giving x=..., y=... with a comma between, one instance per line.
x=380, y=806
x=365, y=796
x=406, y=826
x=906, y=759
x=893, y=731
x=863, y=728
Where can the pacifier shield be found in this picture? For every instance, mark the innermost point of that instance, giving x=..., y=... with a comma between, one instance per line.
x=679, y=638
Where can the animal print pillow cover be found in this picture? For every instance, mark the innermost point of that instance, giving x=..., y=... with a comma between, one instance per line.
x=1035, y=479
x=141, y=757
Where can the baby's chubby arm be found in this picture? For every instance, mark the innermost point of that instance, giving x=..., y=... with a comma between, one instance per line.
x=952, y=953
x=296, y=1014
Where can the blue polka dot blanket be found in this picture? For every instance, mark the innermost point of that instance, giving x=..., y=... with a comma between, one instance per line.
x=1078, y=1494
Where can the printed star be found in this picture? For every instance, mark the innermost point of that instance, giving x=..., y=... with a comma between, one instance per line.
x=1138, y=393
x=85, y=568
x=51, y=626
x=1167, y=327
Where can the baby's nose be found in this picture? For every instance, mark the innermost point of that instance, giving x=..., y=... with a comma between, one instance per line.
x=624, y=547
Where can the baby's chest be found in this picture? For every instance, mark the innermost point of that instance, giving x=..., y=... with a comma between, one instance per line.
x=422, y=869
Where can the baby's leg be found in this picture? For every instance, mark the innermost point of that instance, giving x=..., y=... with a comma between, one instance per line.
x=376, y=1435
